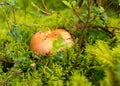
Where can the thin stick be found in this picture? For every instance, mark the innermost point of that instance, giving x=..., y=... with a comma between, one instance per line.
x=14, y=16
x=76, y=13
x=40, y=9
x=44, y=4
x=45, y=66
x=118, y=28
x=85, y=26
x=3, y=82
x=7, y=22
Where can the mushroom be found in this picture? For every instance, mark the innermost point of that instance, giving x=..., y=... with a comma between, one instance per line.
x=43, y=42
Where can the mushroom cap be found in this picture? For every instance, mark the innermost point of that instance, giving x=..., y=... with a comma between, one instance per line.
x=43, y=42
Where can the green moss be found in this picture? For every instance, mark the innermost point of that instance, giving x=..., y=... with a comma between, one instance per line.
x=97, y=64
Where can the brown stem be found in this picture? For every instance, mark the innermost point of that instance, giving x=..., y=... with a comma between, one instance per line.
x=106, y=29
x=85, y=26
x=80, y=3
x=7, y=22
x=14, y=16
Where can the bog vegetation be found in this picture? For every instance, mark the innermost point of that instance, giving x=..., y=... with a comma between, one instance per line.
x=93, y=60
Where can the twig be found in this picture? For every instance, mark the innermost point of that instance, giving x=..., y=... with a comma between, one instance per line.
x=80, y=3
x=45, y=66
x=43, y=2
x=7, y=22
x=76, y=13
x=14, y=16
x=11, y=6
x=118, y=28
x=14, y=72
x=3, y=82
x=64, y=18
x=106, y=29
x=30, y=26
x=34, y=5
x=4, y=60
x=85, y=26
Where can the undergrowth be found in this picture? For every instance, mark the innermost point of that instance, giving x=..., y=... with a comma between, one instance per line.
x=93, y=60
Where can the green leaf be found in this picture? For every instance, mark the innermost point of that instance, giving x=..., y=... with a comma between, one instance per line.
x=57, y=43
x=118, y=2
x=11, y=2
x=67, y=4
x=59, y=55
x=74, y=3
x=14, y=33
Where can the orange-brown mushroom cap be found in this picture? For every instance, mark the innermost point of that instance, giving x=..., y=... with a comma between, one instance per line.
x=42, y=42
